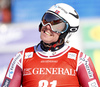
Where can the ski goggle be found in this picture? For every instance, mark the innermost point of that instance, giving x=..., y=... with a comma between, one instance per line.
x=56, y=23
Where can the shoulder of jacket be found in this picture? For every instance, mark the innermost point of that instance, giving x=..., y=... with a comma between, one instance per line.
x=74, y=50
x=28, y=52
x=29, y=49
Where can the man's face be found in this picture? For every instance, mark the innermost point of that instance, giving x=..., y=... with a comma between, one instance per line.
x=47, y=35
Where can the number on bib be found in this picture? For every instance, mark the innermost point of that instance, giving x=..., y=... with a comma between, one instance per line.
x=44, y=83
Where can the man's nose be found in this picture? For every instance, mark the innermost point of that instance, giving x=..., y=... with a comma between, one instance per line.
x=48, y=26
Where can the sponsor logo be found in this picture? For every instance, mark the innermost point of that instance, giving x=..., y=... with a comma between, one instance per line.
x=88, y=69
x=73, y=14
x=6, y=83
x=10, y=73
x=28, y=55
x=49, y=61
x=46, y=71
x=12, y=66
x=72, y=56
x=27, y=71
x=93, y=83
x=57, y=11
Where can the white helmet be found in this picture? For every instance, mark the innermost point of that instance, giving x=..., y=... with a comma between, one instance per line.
x=67, y=13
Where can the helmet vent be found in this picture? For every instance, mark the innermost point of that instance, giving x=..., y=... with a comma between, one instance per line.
x=75, y=15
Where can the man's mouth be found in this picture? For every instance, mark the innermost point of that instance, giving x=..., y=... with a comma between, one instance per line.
x=47, y=33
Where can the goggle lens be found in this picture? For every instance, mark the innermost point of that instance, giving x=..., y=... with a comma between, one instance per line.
x=56, y=23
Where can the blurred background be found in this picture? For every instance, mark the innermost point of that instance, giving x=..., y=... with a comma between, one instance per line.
x=19, y=20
